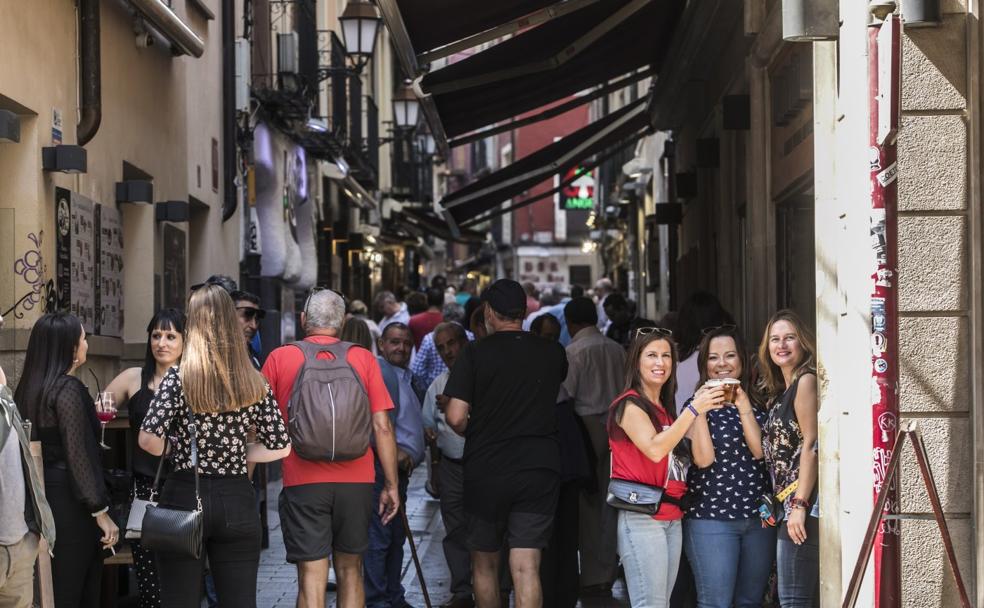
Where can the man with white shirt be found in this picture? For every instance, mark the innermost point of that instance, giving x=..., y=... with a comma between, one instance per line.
x=393, y=310
x=594, y=379
x=449, y=339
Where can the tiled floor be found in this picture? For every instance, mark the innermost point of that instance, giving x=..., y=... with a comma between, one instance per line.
x=277, y=584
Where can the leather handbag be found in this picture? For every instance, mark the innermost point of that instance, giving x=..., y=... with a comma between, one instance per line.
x=634, y=496
x=172, y=530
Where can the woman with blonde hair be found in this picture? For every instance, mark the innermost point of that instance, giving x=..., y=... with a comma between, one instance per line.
x=217, y=386
x=787, y=364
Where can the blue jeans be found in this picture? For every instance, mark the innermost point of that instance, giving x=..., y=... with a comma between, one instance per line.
x=798, y=567
x=383, y=562
x=650, y=552
x=731, y=560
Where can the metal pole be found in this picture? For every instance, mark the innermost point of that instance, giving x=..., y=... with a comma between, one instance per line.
x=884, y=50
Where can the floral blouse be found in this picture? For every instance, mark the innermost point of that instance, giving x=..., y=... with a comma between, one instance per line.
x=221, y=435
x=782, y=442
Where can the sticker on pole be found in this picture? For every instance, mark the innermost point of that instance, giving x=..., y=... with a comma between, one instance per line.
x=886, y=177
x=881, y=366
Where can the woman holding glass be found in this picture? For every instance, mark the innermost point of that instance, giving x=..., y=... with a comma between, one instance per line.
x=136, y=387
x=787, y=363
x=643, y=433
x=64, y=420
x=219, y=388
x=729, y=551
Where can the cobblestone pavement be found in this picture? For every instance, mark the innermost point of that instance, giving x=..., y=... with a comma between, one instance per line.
x=277, y=582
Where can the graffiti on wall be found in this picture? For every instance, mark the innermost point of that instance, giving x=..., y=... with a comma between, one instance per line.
x=31, y=269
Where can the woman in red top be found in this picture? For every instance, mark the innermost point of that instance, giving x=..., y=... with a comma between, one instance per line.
x=642, y=434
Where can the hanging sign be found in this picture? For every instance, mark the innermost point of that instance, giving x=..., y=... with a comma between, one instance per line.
x=579, y=193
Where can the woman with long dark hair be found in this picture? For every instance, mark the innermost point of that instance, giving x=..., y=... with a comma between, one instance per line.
x=729, y=551
x=643, y=432
x=787, y=364
x=64, y=420
x=136, y=387
x=226, y=396
x=700, y=311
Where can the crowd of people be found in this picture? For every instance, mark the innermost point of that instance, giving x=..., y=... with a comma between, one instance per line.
x=569, y=442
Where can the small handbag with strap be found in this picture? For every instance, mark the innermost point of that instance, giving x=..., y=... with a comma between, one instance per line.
x=175, y=530
x=634, y=496
x=138, y=506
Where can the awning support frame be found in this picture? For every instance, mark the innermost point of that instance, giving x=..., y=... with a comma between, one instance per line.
x=539, y=17
x=554, y=166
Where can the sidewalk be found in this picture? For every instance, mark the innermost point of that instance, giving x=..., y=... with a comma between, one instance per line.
x=277, y=580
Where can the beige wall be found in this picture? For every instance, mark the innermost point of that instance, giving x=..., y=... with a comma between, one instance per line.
x=159, y=113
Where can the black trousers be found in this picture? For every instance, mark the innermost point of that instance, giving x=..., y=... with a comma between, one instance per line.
x=231, y=539
x=558, y=565
x=76, y=569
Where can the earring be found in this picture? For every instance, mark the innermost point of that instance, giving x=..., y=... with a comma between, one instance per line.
x=75, y=360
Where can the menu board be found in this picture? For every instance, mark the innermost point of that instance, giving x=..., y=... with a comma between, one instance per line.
x=109, y=295
x=89, y=262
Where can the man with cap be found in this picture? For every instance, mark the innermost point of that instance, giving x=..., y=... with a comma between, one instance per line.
x=502, y=394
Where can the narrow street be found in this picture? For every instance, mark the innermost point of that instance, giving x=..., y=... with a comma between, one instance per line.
x=277, y=581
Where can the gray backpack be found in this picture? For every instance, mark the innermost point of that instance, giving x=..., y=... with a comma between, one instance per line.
x=328, y=415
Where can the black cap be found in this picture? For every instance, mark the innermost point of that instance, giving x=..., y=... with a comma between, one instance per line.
x=506, y=297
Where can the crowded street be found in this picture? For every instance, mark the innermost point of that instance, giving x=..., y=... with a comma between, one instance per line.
x=459, y=304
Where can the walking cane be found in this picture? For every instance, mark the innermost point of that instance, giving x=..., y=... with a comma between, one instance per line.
x=413, y=553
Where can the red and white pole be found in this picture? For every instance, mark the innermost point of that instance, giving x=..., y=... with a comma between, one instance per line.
x=884, y=87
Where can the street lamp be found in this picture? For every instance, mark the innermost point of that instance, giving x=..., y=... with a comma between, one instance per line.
x=360, y=22
x=406, y=107
x=426, y=141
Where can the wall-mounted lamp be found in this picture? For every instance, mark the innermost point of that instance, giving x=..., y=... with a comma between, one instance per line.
x=9, y=127
x=172, y=211
x=135, y=191
x=921, y=13
x=65, y=158
x=810, y=20
x=360, y=22
x=406, y=107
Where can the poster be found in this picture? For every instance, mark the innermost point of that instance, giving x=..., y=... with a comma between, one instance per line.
x=173, y=287
x=82, y=302
x=110, y=274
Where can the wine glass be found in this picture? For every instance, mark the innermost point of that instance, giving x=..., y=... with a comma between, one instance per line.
x=105, y=411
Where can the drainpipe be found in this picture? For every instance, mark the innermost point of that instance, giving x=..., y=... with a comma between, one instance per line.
x=229, y=190
x=884, y=51
x=90, y=77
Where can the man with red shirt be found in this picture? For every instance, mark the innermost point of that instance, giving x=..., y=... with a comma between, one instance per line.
x=424, y=323
x=325, y=507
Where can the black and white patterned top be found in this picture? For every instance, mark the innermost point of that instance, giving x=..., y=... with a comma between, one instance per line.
x=731, y=486
x=782, y=442
x=221, y=435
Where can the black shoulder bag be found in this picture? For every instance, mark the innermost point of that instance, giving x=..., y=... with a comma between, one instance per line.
x=175, y=530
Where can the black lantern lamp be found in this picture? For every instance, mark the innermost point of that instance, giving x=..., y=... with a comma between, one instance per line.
x=425, y=139
x=360, y=22
x=406, y=107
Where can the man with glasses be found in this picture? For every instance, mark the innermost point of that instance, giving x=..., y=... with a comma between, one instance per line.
x=250, y=314
x=594, y=380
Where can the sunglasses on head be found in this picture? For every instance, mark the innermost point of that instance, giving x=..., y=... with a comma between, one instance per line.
x=252, y=313
x=645, y=331
x=726, y=327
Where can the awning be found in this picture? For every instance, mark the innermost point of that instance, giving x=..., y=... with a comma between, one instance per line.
x=558, y=49
x=553, y=61
x=489, y=192
x=426, y=222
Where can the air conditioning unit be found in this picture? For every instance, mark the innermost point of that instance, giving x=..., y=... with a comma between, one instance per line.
x=287, y=53
x=243, y=74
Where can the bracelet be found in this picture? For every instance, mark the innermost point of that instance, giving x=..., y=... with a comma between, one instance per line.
x=693, y=410
x=799, y=503
x=100, y=512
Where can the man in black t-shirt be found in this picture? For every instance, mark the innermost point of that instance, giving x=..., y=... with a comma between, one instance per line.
x=503, y=391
